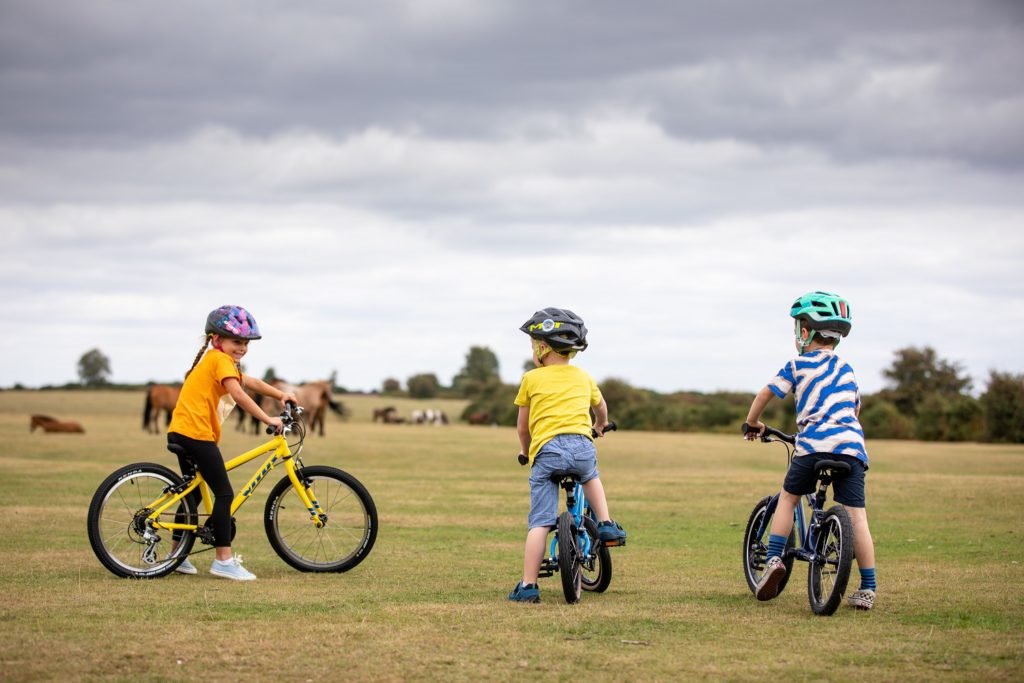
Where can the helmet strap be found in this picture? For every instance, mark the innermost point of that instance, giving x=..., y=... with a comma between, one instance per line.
x=800, y=341
x=540, y=349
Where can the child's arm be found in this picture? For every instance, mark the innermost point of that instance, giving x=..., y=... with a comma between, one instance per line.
x=523, y=429
x=756, y=408
x=261, y=387
x=243, y=399
x=600, y=417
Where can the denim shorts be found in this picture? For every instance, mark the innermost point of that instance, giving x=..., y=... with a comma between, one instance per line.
x=848, y=490
x=568, y=453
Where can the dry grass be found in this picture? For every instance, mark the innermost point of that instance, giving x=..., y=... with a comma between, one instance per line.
x=429, y=602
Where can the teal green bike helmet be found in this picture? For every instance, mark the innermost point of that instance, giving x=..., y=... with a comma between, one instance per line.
x=823, y=313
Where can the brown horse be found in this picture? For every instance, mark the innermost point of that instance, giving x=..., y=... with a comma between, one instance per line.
x=51, y=424
x=315, y=398
x=159, y=397
x=254, y=422
x=386, y=415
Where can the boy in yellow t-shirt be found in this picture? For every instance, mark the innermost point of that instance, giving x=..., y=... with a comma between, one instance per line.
x=555, y=431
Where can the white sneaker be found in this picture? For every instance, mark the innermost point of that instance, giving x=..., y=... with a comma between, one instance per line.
x=231, y=569
x=863, y=598
x=768, y=586
x=186, y=567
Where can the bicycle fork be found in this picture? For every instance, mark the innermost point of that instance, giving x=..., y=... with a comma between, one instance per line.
x=304, y=489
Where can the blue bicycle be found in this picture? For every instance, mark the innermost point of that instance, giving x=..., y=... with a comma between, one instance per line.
x=576, y=552
x=825, y=536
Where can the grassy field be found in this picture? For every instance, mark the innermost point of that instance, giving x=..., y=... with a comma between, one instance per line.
x=429, y=602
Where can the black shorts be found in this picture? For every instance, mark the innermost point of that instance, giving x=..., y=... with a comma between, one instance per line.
x=848, y=490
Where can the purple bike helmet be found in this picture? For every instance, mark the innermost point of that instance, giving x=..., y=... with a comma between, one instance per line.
x=234, y=322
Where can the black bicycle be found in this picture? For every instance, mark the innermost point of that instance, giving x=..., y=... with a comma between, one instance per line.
x=822, y=538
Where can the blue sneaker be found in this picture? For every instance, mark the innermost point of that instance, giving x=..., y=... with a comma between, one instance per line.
x=231, y=569
x=527, y=593
x=611, y=534
x=186, y=567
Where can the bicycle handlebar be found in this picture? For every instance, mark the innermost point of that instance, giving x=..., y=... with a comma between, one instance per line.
x=610, y=427
x=769, y=434
x=289, y=416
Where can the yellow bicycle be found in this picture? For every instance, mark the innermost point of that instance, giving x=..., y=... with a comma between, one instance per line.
x=143, y=520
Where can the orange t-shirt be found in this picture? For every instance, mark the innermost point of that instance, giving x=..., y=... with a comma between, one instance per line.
x=196, y=415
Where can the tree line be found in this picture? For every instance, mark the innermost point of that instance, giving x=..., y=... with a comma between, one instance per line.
x=926, y=397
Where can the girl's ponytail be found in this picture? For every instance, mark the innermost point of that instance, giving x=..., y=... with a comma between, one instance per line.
x=206, y=342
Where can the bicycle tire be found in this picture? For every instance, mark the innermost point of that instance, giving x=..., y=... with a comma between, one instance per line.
x=343, y=542
x=596, y=574
x=829, y=573
x=569, y=559
x=115, y=516
x=755, y=550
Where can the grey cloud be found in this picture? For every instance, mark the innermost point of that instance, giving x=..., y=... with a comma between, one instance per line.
x=917, y=79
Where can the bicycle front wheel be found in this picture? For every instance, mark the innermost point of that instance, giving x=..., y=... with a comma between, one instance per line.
x=755, y=546
x=117, y=523
x=596, y=571
x=830, y=570
x=347, y=535
x=569, y=559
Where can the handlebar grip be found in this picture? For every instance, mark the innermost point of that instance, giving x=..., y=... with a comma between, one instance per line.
x=610, y=427
x=769, y=432
x=522, y=459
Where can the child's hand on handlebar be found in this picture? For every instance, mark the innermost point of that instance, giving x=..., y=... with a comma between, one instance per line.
x=752, y=431
x=277, y=424
x=288, y=397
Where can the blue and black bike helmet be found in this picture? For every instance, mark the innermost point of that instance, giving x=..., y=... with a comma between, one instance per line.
x=823, y=313
x=234, y=322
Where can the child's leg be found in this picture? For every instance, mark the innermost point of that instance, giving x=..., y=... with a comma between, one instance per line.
x=863, y=546
x=782, y=523
x=594, y=491
x=533, y=553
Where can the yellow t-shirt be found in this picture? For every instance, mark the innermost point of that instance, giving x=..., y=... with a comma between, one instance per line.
x=196, y=414
x=560, y=398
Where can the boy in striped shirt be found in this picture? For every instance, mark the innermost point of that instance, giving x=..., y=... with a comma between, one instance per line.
x=827, y=405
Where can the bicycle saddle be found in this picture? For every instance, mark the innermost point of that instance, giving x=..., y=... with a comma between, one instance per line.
x=177, y=449
x=838, y=468
x=559, y=477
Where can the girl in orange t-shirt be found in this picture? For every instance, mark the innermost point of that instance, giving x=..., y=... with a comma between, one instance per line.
x=212, y=387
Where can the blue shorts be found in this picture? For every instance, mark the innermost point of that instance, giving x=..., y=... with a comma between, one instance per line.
x=569, y=453
x=848, y=490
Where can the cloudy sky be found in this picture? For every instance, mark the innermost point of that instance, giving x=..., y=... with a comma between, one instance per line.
x=385, y=184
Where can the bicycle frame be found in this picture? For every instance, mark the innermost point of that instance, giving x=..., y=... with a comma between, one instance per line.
x=279, y=453
x=804, y=531
x=576, y=505
x=807, y=515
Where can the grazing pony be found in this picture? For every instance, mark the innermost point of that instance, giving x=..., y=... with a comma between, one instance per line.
x=159, y=397
x=479, y=418
x=315, y=398
x=51, y=424
x=254, y=421
x=430, y=416
x=387, y=415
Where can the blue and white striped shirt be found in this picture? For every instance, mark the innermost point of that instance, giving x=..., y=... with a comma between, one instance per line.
x=827, y=402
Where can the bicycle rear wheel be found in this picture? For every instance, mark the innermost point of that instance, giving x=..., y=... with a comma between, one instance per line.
x=117, y=523
x=569, y=559
x=755, y=547
x=829, y=572
x=342, y=542
x=596, y=572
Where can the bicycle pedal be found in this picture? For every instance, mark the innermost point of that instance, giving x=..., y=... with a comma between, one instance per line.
x=613, y=544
